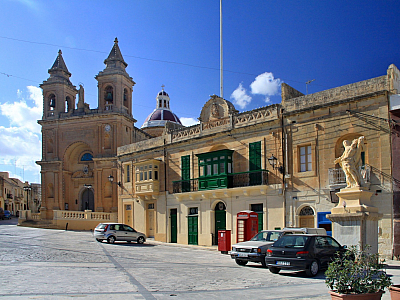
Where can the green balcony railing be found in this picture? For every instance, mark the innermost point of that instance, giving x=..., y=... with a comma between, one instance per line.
x=222, y=181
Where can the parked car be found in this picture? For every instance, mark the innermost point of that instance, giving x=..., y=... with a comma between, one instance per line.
x=112, y=232
x=7, y=214
x=256, y=249
x=302, y=252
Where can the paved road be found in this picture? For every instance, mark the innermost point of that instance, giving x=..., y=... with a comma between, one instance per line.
x=58, y=264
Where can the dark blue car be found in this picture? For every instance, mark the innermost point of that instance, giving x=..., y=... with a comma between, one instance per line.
x=304, y=252
x=7, y=214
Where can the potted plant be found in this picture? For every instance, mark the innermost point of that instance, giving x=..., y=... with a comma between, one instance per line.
x=357, y=274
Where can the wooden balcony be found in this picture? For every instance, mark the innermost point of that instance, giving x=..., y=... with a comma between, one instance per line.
x=223, y=181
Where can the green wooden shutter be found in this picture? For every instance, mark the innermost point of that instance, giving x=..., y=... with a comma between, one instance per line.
x=255, y=162
x=185, y=169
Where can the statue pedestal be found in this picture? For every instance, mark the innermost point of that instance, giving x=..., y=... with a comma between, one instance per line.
x=355, y=220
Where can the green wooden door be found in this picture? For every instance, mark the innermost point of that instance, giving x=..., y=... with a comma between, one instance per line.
x=255, y=162
x=220, y=223
x=174, y=225
x=193, y=230
x=185, y=169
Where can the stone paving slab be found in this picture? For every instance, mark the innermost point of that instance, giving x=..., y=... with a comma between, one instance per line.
x=58, y=264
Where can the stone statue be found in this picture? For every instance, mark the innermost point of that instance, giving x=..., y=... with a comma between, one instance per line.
x=350, y=161
x=81, y=95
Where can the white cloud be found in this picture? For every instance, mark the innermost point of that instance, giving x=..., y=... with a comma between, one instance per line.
x=240, y=96
x=188, y=121
x=265, y=84
x=21, y=140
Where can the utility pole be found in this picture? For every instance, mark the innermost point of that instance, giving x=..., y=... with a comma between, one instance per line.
x=221, y=56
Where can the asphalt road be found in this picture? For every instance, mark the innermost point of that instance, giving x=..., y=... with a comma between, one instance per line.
x=59, y=264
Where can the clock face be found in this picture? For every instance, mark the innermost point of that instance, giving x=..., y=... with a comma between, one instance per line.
x=107, y=128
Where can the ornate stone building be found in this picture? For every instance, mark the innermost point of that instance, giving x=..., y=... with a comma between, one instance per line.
x=277, y=160
x=80, y=144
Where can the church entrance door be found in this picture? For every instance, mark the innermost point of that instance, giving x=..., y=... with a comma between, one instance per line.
x=87, y=200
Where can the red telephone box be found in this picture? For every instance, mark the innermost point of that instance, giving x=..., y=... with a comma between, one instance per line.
x=247, y=225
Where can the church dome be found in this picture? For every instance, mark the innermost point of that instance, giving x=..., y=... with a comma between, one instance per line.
x=162, y=113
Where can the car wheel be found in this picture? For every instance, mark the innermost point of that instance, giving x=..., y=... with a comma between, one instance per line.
x=111, y=239
x=241, y=262
x=99, y=240
x=313, y=269
x=274, y=270
x=140, y=240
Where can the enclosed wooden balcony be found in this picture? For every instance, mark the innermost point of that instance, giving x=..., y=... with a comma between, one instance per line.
x=225, y=181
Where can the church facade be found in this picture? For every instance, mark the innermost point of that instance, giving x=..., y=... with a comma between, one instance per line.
x=79, y=143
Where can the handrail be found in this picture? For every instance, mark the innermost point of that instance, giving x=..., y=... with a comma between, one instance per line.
x=240, y=179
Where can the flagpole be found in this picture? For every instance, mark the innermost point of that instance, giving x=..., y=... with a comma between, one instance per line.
x=221, y=58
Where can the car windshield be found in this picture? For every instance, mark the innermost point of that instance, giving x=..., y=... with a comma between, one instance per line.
x=268, y=236
x=291, y=241
x=101, y=226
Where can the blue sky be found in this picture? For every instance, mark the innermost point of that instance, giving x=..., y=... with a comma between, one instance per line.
x=176, y=43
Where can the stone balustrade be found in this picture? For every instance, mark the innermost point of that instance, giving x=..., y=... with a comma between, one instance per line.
x=84, y=215
x=35, y=216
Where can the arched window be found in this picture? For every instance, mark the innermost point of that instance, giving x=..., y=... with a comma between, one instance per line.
x=306, y=211
x=67, y=102
x=108, y=97
x=87, y=157
x=125, y=97
x=52, y=102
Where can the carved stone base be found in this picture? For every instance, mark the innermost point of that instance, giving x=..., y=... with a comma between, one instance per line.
x=359, y=229
x=354, y=200
x=355, y=220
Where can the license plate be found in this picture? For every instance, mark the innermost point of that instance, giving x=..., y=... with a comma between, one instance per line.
x=283, y=263
x=243, y=254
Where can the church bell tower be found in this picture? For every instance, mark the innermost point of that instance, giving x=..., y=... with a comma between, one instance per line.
x=114, y=84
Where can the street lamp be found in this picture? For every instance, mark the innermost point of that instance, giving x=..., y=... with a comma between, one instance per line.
x=273, y=161
x=111, y=179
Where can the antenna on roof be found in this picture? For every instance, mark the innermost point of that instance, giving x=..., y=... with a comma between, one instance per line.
x=220, y=42
x=307, y=83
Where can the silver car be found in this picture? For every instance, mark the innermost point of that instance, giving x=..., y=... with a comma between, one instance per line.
x=112, y=232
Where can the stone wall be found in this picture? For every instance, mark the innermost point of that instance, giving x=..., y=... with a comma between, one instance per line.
x=336, y=94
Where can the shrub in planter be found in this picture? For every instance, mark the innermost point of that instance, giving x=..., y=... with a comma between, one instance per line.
x=357, y=272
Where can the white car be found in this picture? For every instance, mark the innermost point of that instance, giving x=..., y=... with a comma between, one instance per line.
x=112, y=232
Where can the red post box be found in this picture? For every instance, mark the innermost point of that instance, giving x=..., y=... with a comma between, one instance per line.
x=224, y=241
x=247, y=225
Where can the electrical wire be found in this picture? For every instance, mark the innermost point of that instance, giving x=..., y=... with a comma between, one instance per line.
x=144, y=58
